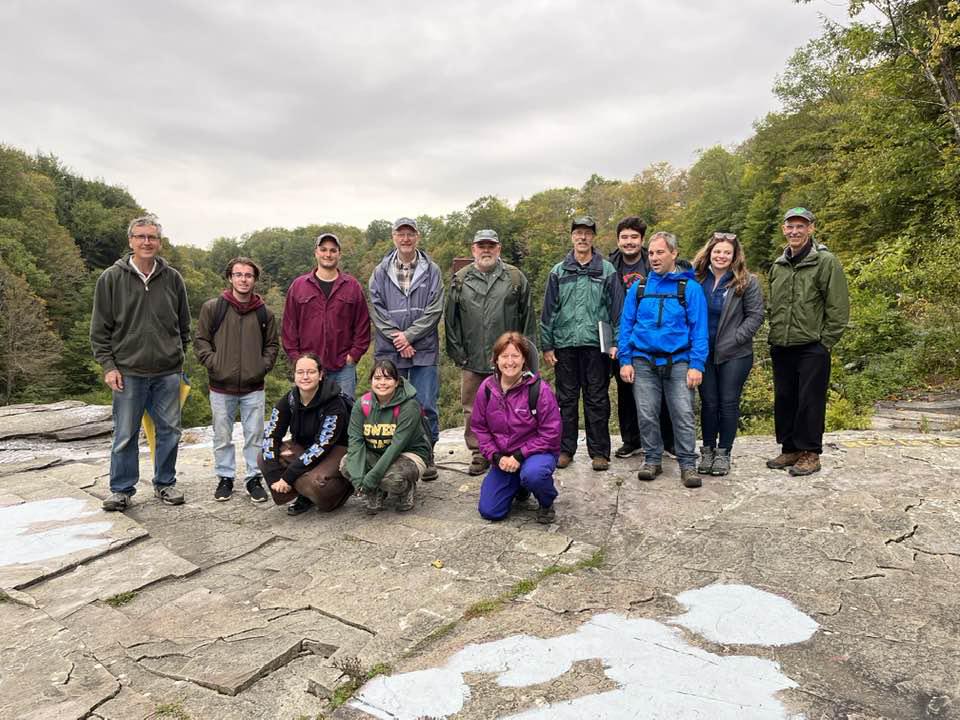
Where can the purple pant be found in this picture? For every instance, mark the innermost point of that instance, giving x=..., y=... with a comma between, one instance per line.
x=499, y=487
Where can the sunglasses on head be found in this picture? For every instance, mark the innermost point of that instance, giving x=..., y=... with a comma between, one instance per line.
x=724, y=236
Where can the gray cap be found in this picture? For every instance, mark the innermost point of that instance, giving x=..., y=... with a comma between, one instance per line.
x=400, y=222
x=486, y=236
x=583, y=221
x=327, y=236
x=800, y=212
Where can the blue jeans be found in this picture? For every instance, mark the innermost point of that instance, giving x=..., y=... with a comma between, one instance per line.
x=499, y=487
x=159, y=396
x=720, y=399
x=224, y=408
x=426, y=379
x=651, y=384
x=346, y=378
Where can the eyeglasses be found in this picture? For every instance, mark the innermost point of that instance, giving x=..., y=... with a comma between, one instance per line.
x=724, y=236
x=145, y=238
x=242, y=276
x=306, y=373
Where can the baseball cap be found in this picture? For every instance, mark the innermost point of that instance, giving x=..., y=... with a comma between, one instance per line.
x=583, y=221
x=400, y=222
x=800, y=212
x=327, y=236
x=486, y=236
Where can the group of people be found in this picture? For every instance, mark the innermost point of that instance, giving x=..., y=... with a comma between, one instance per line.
x=662, y=326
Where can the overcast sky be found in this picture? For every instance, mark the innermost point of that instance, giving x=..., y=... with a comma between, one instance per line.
x=226, y=117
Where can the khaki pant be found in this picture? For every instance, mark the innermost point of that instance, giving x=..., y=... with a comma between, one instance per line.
x=469, y=384
x=324, y=485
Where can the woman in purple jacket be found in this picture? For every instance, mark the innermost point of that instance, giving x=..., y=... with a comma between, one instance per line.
x=517, y=422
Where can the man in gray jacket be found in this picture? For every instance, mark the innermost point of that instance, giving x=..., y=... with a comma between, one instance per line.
x=139, y=332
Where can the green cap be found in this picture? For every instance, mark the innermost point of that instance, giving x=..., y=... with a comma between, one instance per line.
x=800, y=212
x=583, y=221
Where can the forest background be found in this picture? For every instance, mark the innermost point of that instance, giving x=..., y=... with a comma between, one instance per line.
x=868, y=137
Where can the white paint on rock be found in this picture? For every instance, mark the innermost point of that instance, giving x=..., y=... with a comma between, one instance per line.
x=743, y=615
x=660, y=675
x=20, y=546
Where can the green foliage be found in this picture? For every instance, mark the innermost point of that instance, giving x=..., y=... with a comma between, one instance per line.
x=170, y=711
x=120, y=599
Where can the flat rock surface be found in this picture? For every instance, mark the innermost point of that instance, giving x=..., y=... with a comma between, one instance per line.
x=759, y=595
x=48, y=422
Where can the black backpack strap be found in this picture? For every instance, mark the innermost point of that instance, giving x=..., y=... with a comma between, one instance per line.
x=486, y=392
x=218, y=315
x=262, y=319
x=682, y=292
x=533, y=396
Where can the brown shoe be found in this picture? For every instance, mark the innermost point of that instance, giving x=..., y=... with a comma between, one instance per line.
x=600, y=464
x=648, y=472
x=564, y=460
x=808, y=464
x=478, y=466
x=784, y=460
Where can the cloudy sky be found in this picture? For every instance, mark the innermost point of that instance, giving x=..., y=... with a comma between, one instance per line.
x=227, y=117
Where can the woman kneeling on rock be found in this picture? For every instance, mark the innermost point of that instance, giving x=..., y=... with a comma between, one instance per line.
x=307, y=467
x=517, y=422
x=389, y=450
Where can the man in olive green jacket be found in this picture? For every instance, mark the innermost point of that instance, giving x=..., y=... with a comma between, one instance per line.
x=487, y=298
x=809, y=310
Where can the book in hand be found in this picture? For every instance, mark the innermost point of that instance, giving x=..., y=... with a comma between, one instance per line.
x=606, y=336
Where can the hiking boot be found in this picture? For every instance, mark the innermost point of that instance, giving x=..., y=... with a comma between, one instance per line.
x=168, y=494
x=430, y=474
x=224, y=489
x=721, y=464
x=690, y=478
x=649, y=472
x=627, y=450
x=784, y=460
x=707, y=457
x=564, y=460
x=808, y=464
x=600, y=464
x=523, y=500
x=116, y=501
x=478, y=466
x=372, y=501
x=546, y=515
x=300, y=505
x=405, y=501
x=255, y=489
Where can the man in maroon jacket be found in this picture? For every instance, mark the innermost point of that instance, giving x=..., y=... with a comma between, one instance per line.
x=326, y=314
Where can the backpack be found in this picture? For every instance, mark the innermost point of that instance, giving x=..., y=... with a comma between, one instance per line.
x=221, y=312
x=533, y=395
x=366, y=405
x=681, y=297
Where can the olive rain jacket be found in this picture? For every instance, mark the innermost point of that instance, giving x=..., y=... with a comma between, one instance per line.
x=809, y=301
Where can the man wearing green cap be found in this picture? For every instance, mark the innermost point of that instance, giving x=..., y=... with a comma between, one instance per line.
x=809, y=310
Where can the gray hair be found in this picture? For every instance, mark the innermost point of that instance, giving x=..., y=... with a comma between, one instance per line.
x=143, y=221
x=669, y=238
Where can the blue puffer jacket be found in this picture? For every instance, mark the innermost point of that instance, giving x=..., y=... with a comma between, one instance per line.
x=657, y=327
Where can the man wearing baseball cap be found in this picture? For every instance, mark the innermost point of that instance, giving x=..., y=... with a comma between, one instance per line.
x=809, y=310
x=326, y=314
x=487, y=298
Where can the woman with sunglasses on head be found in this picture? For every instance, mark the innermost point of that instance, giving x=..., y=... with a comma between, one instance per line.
x=307, y=467
x=734, y=314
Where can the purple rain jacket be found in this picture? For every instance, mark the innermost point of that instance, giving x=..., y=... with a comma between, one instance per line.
x=504, y=424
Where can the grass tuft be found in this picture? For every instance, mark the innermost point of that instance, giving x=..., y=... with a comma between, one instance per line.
x=170, y=711
x=120, y=599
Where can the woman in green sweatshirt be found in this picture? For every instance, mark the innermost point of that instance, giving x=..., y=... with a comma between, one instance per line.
x=388, y=448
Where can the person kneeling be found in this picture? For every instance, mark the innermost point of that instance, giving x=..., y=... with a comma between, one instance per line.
x=389, y=447
x=517, y=421
x=307, y=467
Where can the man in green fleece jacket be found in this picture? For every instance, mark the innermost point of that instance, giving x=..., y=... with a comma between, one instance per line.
x=139, y=332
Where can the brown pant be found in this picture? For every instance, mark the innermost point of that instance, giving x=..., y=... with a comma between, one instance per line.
x=469, y=384
x=323, y=484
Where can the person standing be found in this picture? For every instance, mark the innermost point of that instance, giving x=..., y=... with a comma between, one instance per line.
x=236, y=341
x=139, y=331
x=326, y=313
x=487, y=298
x=809, y=310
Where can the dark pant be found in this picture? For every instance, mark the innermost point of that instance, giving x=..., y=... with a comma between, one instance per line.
x=626, y=410
x=322, y=484
x=801, y=376
x=720, y=399
x=584, y=368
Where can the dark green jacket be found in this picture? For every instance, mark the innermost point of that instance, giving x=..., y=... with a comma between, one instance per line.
x=809, y=301
x=480, y=308
x=377, y=440
x=136, y=328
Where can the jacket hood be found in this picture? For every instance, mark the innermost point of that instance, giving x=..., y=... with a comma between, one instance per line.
x=328, y=390
x=616, y=257
x=124, y=264
x=242, y=308
x=815, y=249
x=678, y=274
x=527, y=378
x=595, y=266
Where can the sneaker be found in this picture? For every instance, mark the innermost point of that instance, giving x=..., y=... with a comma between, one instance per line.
x=627, y=450
x=168, y=494
x=523, y=500
x=707, y=457
x=649, y=472
x=372, y=501
x=299, y=506
x=255, y=489
x=405, y=501
x=430, y=474
x=784, y=460
x=116, y=501
x=690, y=478
x=564, y=460
x=808, y=464
x=478, y=466
x=224, y=488
x=546, y=515
x=600, y=464
x=721, y=465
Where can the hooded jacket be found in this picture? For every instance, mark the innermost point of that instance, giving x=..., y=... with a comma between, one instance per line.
x=378, y=439
x=616, y=259
x=504, y=425
x=317, y=426
x=657, y=328
x=576, y=299
x=141, y=329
